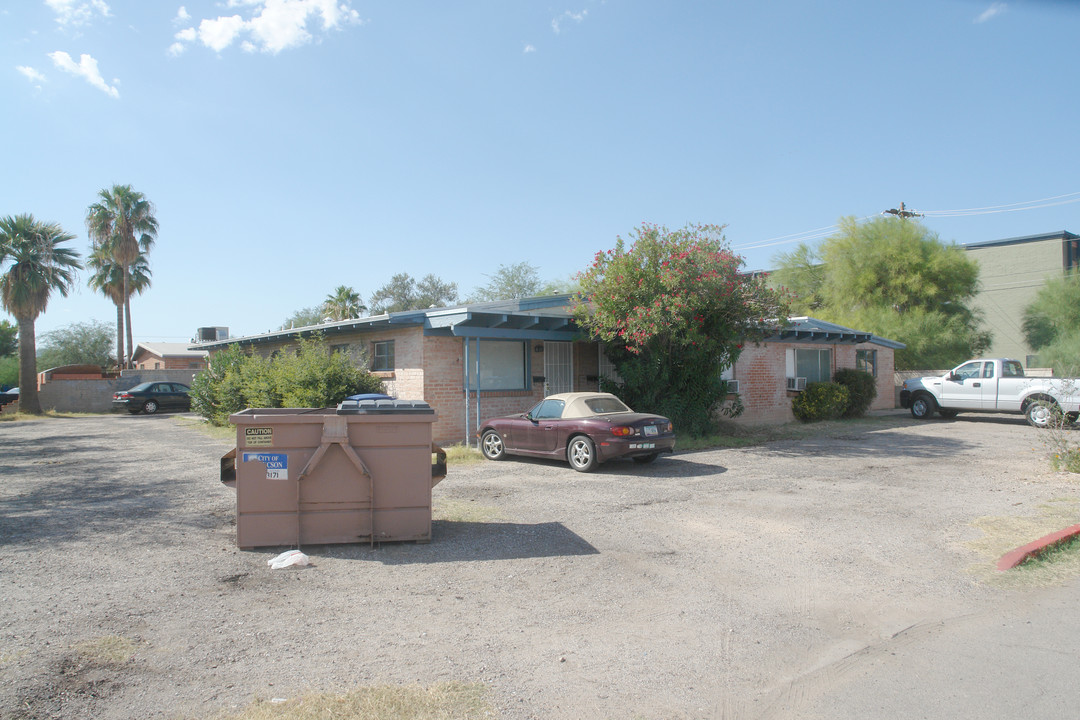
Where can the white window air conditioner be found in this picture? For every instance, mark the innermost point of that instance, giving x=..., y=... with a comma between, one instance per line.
x=733, y=386
x=796, y=383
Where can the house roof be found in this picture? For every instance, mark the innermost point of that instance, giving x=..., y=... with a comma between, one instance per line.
x=540, y=318
x=812, y=330
x=164, y=350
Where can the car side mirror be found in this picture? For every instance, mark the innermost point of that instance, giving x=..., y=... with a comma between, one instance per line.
x=954, y=377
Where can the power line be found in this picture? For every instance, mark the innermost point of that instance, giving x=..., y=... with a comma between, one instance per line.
x=902, y=211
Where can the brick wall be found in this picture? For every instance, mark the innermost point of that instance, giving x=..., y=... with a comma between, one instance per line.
x=444, y=382
x=762, y=374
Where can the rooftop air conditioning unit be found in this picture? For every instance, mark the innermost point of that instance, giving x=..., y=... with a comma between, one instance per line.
x=796, y=383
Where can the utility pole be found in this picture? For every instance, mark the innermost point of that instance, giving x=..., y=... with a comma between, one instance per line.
x=902, y=213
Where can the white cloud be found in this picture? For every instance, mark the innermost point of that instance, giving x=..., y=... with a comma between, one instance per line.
x=218, y=34
x=187, y=35
x=87, y=68
x=272, y=25
x=182, y=15
x=77, y=12
x=529, y=49
x=557, y=23
x=30, y=74
x=991, y=12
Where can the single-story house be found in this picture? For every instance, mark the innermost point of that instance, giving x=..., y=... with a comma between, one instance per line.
x=487, y=359
x=168, y=356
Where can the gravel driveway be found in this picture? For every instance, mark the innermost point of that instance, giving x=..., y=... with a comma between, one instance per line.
x=708, y=584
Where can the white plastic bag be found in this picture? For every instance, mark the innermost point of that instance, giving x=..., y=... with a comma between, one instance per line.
x=288, y=558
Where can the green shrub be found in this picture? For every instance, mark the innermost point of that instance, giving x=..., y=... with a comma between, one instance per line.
x=216, y=392
x=310, y=378
x=820, y=401
x=861, y=390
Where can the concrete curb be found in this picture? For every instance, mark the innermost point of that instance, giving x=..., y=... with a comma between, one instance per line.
x=1033, y=549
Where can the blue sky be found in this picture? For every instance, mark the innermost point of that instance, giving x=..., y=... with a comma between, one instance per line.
x=291, y=146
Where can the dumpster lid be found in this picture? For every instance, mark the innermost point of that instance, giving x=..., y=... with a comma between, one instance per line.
x=388, y=406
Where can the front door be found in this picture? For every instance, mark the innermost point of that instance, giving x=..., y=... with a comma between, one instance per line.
x=558, y=367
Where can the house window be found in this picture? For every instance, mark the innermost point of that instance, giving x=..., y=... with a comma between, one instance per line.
x=502, y=366
x=866, y=360
x=728, y=376
x=814, y=365
x=384, y=355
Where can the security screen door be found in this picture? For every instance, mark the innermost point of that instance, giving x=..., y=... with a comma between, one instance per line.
x=558, y=367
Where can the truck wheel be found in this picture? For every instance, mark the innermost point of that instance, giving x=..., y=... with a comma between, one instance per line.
x=923, y=407
x=1043, y=414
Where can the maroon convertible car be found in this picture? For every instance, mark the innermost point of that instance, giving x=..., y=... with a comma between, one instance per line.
x=585, y=429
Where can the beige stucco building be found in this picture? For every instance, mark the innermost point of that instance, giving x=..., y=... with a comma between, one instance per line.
x=1011, y=271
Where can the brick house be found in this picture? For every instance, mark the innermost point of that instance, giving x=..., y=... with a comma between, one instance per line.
x=497, y=358
x=168, y=356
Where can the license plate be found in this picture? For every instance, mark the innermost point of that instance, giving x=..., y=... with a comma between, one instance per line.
x=650, y=430
x=643, y=446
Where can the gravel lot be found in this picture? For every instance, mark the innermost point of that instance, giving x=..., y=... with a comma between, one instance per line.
x=709, y=584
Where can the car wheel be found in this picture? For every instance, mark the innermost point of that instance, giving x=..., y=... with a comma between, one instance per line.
x=581, y=453
x=923, y=407
x=150, y=407
x=948, y=414
x=646, y=459
x=1043, y=414
x=491, y=444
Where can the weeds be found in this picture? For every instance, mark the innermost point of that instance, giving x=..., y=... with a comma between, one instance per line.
x=444, y=701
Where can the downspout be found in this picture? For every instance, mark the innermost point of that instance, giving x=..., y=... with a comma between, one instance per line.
x=478, y=387
x=465, y=372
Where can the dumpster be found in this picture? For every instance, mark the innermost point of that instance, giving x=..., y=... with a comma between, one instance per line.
x=360, y=472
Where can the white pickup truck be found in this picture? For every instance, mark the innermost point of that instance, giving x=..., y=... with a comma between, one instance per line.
x=992, y=385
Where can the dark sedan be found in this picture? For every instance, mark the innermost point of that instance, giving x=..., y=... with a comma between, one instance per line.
x=149, y=397
x=585, y=429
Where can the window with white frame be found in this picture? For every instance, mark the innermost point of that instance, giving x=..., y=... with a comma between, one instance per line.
x=728, y=375
x=866, y=360
x=382, y=355
x=502, y=364
x=814, y=364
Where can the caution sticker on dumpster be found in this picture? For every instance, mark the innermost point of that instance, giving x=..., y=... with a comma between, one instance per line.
x=277, y=464
x=258, y=437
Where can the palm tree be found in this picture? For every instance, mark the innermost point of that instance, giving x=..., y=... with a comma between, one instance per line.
x=123, y=222
x=108, y=279
x=343, y=304
x=37, y=265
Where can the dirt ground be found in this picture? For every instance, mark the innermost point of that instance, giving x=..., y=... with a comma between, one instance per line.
x=708, y=584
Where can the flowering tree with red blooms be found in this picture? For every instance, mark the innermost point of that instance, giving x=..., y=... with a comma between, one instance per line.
x=674, y=312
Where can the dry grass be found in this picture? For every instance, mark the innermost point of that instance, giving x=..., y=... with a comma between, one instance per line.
x=445, y=701
x=462, y=455
x=106, y=650
x=1003, y=534
x=464, y=511
x=227, y=432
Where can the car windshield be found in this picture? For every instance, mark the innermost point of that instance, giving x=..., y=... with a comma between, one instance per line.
x=601, y=405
